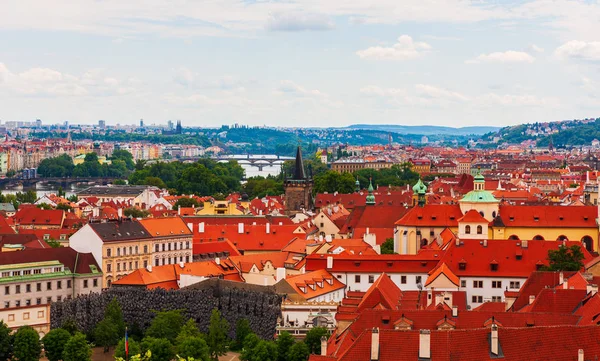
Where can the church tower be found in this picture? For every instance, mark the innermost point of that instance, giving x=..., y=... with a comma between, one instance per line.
x=298, y=188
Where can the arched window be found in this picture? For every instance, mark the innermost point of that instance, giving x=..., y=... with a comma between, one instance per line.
x=468, y=229
x=562, y=237
x=588, y=243
x=538, y=238
x=130, y=250
x=424, y=242
x=514, y=237
x=136, y=249
x=479, y=229
x=482, y=214
x=145, y=249
x=494, y=214
x=118, y=251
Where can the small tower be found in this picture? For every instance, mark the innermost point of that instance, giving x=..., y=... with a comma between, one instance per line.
x=357, y=184
x=419, y=194
x=371, y=196
x=298, y=188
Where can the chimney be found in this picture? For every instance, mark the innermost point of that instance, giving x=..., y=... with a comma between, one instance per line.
x=179, y=210
x=593, y=289
x=531, y=299
x=580, y=355
x=149, y=267
x=485, y=242
x=268, y=227
x=120, y=213
x=457, y=242
x=181, y=264
x=320, y=238
x=425, y=344
x=566, y=285
x=240, y=228
x=454, y=311
x=375, y=344
x=561, y=278
x=201, y=227
x=191, y=227
x=279, y=274
x=323, y=346
x=328, y=238
x=218, y=261
x=329, y=262
x=524, y=244
x=494, y=340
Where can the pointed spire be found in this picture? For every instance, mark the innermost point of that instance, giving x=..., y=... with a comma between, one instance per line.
x=371, y=196
x=357, y=184
x=299, y=168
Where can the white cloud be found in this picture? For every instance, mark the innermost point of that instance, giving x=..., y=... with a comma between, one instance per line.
x=535, y=49
x=291, y=88
x=509, y=56
x=579, y=50
x=405, y=48
x=299, y=22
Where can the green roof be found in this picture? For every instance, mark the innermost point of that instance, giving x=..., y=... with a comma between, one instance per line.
x=420, y=187
x=479, y=197
x=371, y=196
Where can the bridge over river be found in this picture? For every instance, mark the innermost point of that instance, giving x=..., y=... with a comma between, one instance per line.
x=256, y=160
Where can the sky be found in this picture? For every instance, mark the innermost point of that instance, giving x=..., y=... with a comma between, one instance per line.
x=316, y=63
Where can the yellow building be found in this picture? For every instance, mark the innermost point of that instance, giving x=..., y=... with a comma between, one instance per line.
x=81, y=158
x=220, y=208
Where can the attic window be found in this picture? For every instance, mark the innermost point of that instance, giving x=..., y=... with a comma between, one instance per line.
x=511, y=219
x=462, y=265
x=390, y=264
x=434, y=217
x=535, y=218
x=452, y=218
x=419, y=217
x=585, y=218
x=493, y=267
x=357, y=264
x=561, y=218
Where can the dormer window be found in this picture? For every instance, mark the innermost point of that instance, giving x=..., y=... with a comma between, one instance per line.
x=462, y=265
x=511, y=219
x=535, y=218
x=494, y=266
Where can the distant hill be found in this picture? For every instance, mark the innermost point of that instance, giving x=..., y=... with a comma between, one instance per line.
x=424, y=129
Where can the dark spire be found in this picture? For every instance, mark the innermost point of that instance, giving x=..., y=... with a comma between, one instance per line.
x=299, y=169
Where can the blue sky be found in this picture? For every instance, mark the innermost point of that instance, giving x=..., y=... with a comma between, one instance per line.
x=300, y=63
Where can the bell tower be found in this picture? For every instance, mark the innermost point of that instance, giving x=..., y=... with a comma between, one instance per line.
x=298, y=188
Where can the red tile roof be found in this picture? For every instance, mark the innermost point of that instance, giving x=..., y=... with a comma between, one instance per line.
x=432, y=215
x=39, y=217
x=165, y=227
x=253, y=237
x=5, y=228
x=314, y=284
x=423, y=262
x=77, y=262
x=472, y=216
x=548, y=216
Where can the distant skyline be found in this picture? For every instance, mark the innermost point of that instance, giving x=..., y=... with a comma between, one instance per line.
x=300, y=63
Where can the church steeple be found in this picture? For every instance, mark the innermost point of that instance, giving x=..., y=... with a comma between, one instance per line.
x=371, y=196
x=357, y=184
x=299, y=166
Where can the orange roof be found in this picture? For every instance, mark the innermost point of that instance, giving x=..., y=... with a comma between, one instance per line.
x=443, y=270
x=314, y=284
x=165, y=227
x=472, y=216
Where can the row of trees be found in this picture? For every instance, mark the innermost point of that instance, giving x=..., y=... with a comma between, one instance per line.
x=121, y=164
x=285, y=348
x=397, y=175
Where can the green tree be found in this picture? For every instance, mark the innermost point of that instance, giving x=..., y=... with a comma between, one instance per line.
x=298, y=352
x=217, y=335
x=242, y=329
x=70, y=326
x=331, y=181
x=64, y=207
x=313, y=339
x=194, y=347
x=77, y=349
x=6, y=341
x=27, y=345
x=284, y=343
x=54, y=243
x=106, y=334
x=565, y=259
x=387, y=247
x=166, y=324
x=114, y=313
x=154, y=181
x=135, y=212
x=250, y=343
x=134, y=348
x=185, y=202
x=125, y=156
x=44, y=206
x=54, y=343
x=189, y=329
x=160, y=348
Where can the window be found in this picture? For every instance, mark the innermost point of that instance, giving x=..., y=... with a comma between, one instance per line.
x=477, y=299
x=28, y=288
x=68, y=283
x=479, y=229
x=339, y=277
x=37, y=271
x=108, y=252
x=57, y=269
x=496, y=298
x=418, y=279
x=7, y=290
x=108, y=267
x=16, y=273
x=17, y=303
x=59, y=285
x=496, y=284
x=26, y=272
x=58, y=298
x=357, y=279
x=95, y=282
x=187, y=245
x=85, y=283
x=130, y=250
x=11, y=317
x=145, y=264
x=6, y=304
x=118, y=267
x=136, y=249
x=136, y=265
x=403, y=280
x=477, y=284
x=118, y=252
x=371, y=278
x=38, y=287
x=26, y=315
x=145, y=249
x=48, y=299
x=156, y=248
x=5, y=274
x=175, y=245
x=515, y=284
x=163, y=247
x=156, y=262
x=187, y=259
x=38, y=301
x=40, y=314
x=494, y=267
x=463, y=283
x=17, y=289
x=468, y=229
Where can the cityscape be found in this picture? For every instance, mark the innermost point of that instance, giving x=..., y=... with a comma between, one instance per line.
x=300, y=181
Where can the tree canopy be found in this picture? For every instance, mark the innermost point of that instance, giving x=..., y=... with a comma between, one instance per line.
x=217, y=335
x=27, y=345
x=565, y=259
x=54, y=343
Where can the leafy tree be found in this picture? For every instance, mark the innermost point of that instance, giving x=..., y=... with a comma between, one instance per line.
x=285, y=341
x=186, y=202
x=119, y=182
x=154, y=181
x=264, y=351
x=77, y=349
x=194, y=347
x=313, y=339
x=134, y=348
x=217, y=335
x=27, y=345
x=160, y=348
x=54, y=243
x=125, y=156
x=242, y=329
x=250, y=343
x=114, y=313
x=6, y=341
x=299, y=352
x=70, y=326
x=106, y=334
x=135, y=212
x=261, y=186
x=166, y=324
x=45, y=206
x=331, y=181
x=565, y=259
x=189, y=329
x=64, y=207
x=387, y=247
x=54, y=343
x=11, y=173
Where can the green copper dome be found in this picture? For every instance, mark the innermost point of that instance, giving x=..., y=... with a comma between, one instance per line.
x=420, y=187
x=479, y=197
x=371, y=196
